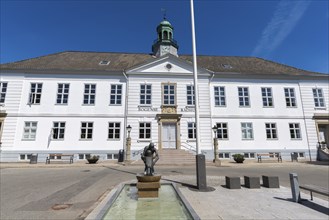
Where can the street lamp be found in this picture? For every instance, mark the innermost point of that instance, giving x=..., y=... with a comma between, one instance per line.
x=216, y=159
x=128, y=143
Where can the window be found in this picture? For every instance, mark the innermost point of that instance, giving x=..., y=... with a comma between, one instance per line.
x=289, y=93
x=318, y=98
x=224, y=155
x=112, y=156
x=271, y=131
x=190, y=95
x=25, y=156
x=222, y=131
x=86, y=130
x=30, y=130
x=191, y=130
x=243, y=97
x=267, y=97
x=145, y=130
x=3, y=91
x=104, y=62
x=116, y=95
x=274, y=154
x=35, y=93
x=219, y=94
x=89, y=94
x=294, y=131
x=62, y=93
x=58, y=130
x=249, y=155
x=169, y=94
x=246, y=129
x=83, y=156
x=146, y=95
x=114, y=130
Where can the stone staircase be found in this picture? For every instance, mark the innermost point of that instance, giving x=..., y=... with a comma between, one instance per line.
x=173, y=157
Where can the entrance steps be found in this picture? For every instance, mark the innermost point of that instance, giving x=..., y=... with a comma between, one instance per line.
x=173, y=157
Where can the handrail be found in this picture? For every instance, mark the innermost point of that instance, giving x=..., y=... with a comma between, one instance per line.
x=188, y=147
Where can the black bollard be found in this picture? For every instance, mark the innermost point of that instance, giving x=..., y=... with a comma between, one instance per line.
x=201, y=172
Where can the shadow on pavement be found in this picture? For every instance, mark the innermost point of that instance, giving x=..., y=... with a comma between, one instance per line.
x=309, y=204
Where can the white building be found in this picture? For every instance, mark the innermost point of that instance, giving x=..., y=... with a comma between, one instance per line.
x=82, y=102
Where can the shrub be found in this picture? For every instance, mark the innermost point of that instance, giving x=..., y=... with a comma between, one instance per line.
x=239, y=158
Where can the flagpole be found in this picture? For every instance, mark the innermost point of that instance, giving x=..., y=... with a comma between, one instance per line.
x=196, y=89
x=199, y=158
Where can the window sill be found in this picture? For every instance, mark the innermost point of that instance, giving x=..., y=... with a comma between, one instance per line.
x=115, y=139
x=320, y=108
x=85, y=139
x=28, y=140
x=143, y=140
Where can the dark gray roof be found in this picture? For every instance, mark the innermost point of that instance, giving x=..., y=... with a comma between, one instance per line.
x=89, y=61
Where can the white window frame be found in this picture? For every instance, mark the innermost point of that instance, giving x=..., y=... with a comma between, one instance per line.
x=219, y=96
x=244, y=99
x=58, y=130
x=30, y=130
x=191, y=130
x=249, y=155
x=24, y=157
x=221, y=128
x=190, y=98
x=112, y=156
x=89, y=94
x=318, y=98
x=247, y=131
x=145, y=95
x=267, y=97
x=115, y=127
x=84, y=130
x=290, y=97
x=295, y=131
x=145, y=130
x=62, y=97
x=84, y=156
x=3, y=92
x=224, y=155
x=271, y=131
x=35, y=94
x=168, y=94
x=116, y=94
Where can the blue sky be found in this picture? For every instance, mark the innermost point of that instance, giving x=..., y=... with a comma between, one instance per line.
x=292, y=32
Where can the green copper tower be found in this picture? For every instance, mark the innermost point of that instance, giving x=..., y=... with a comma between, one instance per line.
x=165, y=42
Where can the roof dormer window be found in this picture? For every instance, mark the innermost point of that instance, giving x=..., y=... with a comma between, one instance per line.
x=227, y=66
x=104, y=62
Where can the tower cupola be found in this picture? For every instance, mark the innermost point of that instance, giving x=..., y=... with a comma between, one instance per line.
x=165, y=42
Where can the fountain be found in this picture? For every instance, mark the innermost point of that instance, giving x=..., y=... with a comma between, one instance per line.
x=146, y=199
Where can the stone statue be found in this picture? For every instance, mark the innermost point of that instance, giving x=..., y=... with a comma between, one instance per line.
x=150, y=156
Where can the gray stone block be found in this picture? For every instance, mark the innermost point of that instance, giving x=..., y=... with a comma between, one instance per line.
x=271, y=181
x=252, y=182
x=232, y=182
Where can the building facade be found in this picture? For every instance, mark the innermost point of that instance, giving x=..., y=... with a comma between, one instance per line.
x=82, y=102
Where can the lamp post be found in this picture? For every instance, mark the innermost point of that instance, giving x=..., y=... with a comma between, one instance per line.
x=216, y=159
x=128, y=143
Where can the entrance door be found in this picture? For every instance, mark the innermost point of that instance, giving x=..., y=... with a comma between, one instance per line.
x=169, y=135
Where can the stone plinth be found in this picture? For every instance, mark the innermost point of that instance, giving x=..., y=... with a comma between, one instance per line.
x=148, y=186
x=232, y=182
x=271, y=181
x=252, y=182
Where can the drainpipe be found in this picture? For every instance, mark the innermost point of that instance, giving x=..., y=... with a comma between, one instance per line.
x=308, y=142
x=125, y=115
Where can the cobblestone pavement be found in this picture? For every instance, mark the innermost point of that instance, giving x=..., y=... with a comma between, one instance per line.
x=72, y=191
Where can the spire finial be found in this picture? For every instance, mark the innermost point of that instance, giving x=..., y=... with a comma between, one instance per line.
x=164, y=11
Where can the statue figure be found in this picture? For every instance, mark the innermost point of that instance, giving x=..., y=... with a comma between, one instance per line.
x=150, y=156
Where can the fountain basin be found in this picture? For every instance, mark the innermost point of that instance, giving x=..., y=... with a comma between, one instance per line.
x=123, y=203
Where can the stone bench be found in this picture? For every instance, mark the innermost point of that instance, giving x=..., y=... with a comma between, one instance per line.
x=232, y=182
x=271, y=181
x=252, y=182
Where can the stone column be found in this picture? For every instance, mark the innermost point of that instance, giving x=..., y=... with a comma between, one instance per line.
x=128, y=149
